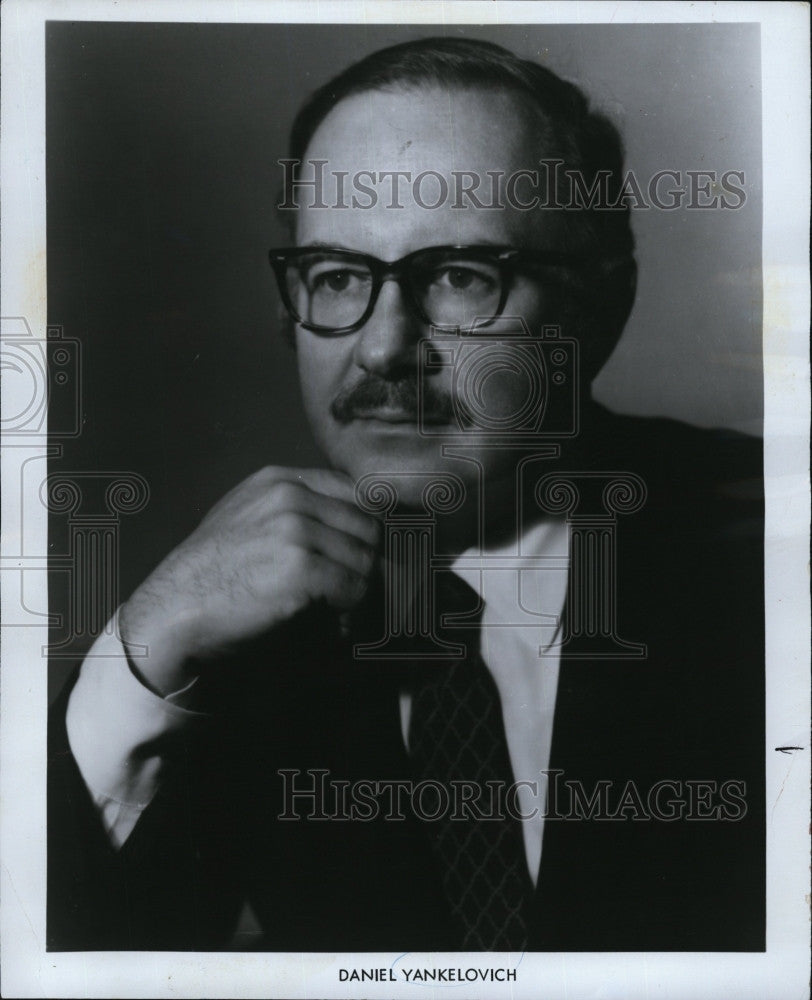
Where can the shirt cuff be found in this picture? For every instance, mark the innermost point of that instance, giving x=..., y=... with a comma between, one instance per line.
x=117, y=731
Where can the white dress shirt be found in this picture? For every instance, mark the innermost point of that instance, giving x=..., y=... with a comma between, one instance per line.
x=116, y=725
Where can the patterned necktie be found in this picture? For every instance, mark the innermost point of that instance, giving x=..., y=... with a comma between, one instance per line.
x=456, y=734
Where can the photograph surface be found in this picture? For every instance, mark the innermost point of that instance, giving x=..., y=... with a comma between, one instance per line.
x=403, y=454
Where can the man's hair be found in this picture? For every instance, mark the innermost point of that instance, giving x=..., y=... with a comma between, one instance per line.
x=585, y=140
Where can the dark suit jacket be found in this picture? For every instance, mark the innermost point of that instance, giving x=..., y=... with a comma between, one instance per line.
x=690, y=586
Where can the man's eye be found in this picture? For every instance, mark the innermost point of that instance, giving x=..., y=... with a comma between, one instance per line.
x=335, y=280
x=460, y=279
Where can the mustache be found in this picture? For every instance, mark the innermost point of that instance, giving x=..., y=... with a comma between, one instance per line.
x=372, y=392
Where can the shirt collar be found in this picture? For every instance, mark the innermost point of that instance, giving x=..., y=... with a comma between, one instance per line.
x=491, y=572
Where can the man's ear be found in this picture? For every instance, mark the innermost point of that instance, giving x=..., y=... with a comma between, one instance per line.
x=605, y=315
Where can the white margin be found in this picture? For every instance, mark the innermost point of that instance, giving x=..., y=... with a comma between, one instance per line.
x=782, y=972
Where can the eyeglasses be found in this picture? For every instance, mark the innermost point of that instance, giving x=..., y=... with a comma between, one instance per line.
x=333, y=291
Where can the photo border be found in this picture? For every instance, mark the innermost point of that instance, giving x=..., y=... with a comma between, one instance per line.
x=27, y=968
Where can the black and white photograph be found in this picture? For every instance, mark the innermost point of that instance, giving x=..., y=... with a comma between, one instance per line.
x=406, y=488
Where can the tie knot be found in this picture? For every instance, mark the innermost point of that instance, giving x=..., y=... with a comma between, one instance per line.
x=458, y=605
x=416, y=622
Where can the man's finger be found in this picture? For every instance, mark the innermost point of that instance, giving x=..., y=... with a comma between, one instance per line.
x=326, y=482
x=336, y=545
x=341, y=587
x=342, y=515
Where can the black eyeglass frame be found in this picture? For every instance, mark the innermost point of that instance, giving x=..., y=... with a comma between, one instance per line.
x=504, y=257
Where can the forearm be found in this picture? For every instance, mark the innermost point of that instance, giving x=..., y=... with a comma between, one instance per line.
x=130, y=856
x=120, y=735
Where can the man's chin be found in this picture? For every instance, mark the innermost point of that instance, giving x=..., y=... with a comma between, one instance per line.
x=395, y=450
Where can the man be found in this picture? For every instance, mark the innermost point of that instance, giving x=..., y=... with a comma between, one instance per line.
x=253, y=759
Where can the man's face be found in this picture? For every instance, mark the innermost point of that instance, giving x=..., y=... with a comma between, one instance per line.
x=375, y=430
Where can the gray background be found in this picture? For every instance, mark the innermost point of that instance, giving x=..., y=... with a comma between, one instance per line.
x=162, y=142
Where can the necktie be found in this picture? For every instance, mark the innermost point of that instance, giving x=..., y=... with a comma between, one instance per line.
x=456, y=736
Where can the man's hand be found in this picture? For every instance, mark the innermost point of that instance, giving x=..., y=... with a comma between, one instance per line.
x=280, y=541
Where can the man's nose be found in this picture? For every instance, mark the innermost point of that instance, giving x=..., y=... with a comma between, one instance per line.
x=388, y=340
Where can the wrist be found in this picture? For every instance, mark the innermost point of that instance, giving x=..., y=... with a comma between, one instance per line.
x=164, y=662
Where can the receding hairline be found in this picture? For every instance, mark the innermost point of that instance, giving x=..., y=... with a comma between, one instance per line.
x=539, y=127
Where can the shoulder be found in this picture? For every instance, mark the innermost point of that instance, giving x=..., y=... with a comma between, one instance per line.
x=705, y=473
x=659, y=442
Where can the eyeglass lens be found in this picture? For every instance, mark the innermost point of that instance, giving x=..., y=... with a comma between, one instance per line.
x=452, y=289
